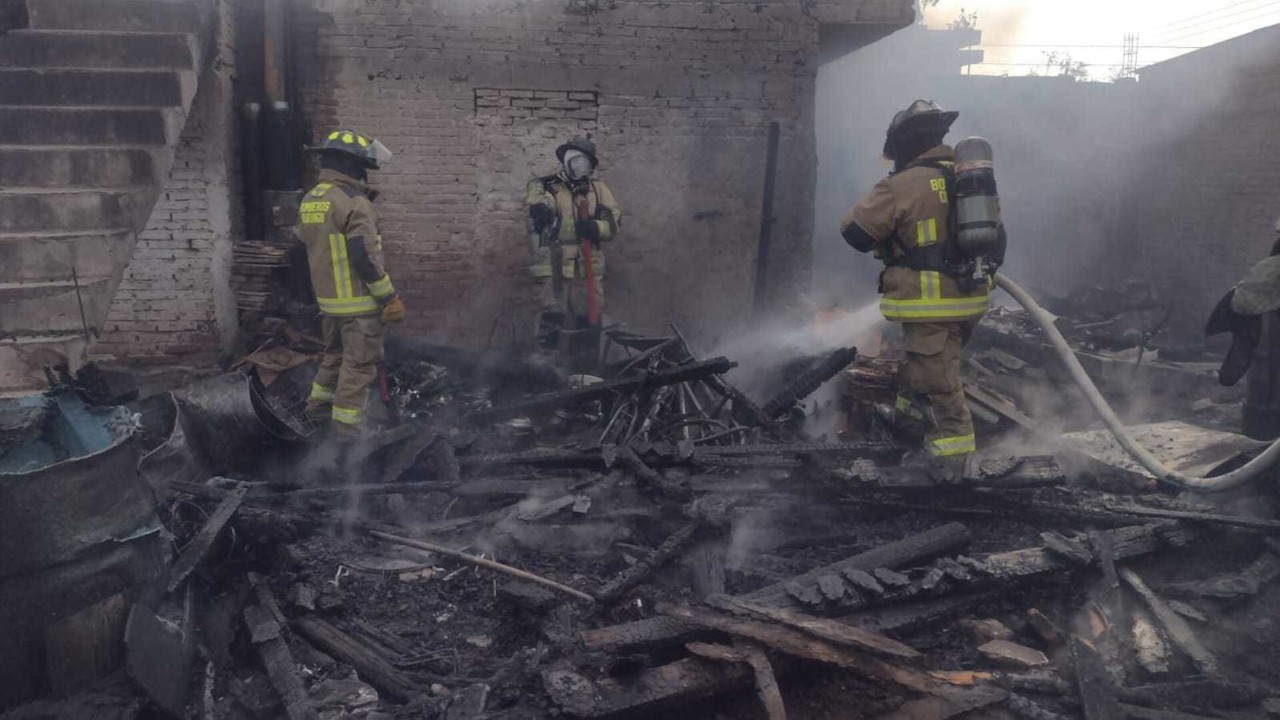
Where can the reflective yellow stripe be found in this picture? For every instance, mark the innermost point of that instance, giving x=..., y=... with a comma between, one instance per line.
x=934, y=284
x=926, y=308
x=321, y=393
x=382, y=288
x=908, y=408
x=333, y=264
x=320, y=189
x=365, y=305
x=950, y=446
x=342, y=263
x=926, y=232
x=348, y=416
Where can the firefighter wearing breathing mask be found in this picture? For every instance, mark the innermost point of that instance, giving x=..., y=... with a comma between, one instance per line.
x=907, y=221
x=348, y=274
x=572, y=215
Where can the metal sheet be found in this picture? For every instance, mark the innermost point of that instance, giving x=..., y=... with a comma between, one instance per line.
x=173, y=460
x=219, y=420
x=1182, y=447
x=54, y=514
x=73, y=532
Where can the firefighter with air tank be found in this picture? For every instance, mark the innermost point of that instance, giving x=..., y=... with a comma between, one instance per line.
x=935, y=223
x=573, y=215
x=348, y=274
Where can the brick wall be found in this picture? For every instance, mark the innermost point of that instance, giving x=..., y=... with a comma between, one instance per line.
x=174, y=304
x=1204, y=189
x=474, y=95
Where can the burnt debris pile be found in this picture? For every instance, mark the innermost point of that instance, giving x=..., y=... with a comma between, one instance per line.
x=652, y=540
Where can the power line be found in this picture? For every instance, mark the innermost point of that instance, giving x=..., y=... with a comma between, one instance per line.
x=1109, y=47
x=1046, y=64
x=1248, y=14
x=1192, y=18
x=1267, y=14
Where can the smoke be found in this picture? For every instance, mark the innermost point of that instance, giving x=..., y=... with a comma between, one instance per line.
x=765, y=354
x=1094, y=177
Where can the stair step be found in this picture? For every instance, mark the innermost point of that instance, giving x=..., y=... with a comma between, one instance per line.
x=76, y=126
x=71, y=167
x=33, y=258
x=133, y=88
x=145, y=15
x=62, y=211
x=42, y=49
x=40, y=308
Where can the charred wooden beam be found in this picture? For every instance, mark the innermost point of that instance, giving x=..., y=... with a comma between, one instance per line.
x=1097, y=694
x=1240, y=521
x=644, y=693
x=752, y=655
x=664, y=631
x=910, y=617
x=799, y=644
x=949, y=705
x=821, y=628
x=372, y=668
x=1027, y=709
x=204, y=539
x=266, y=632
x=1025, y=565
x=483, y=562
x=1177, y=629
x=636, y=574
x=638, y=383
x=930, y=543
x=803, y=386
x=875, y=449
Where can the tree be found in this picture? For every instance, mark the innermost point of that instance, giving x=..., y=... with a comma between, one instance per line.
x=1063, y=65
x=966, y=21
x=921, y=5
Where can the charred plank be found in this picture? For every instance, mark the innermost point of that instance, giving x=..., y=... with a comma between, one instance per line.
x=638, y=383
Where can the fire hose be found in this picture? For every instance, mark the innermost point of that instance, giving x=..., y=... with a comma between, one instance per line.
x=1249, y=471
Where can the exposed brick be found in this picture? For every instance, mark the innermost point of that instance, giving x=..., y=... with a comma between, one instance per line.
x=678, y=96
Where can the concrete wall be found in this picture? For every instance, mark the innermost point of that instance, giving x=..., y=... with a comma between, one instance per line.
x=1204, y=191
x=474, y=95
x=175, y=305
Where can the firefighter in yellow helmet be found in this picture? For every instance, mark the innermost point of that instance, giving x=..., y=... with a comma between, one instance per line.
x=349, y=277
x=572, y=214
x=907, y=221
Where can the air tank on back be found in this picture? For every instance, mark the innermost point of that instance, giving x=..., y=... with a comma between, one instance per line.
x=977, y=205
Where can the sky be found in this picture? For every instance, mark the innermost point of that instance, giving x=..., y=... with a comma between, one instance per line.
x=1165, y=29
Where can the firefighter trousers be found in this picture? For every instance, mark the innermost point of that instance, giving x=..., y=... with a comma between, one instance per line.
x=930, y=376
x=352, y=352
x=562, y=327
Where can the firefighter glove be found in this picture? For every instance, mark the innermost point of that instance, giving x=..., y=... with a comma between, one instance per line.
x=542, y=215
x=393, y=310
x=588, y=230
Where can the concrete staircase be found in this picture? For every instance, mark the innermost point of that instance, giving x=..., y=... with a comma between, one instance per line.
x=93, y=96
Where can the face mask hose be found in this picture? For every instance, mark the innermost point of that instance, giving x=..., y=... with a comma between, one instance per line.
x=1250, y=471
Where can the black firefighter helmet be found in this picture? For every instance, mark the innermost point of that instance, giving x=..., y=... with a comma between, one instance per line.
x=920, y=117
x=367, y=150
x=582, y=145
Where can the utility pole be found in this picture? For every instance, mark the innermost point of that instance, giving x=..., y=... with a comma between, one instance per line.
x=1129, y=66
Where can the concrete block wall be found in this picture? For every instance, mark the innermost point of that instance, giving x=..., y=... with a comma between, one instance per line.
x=474, y=95
x=174, y=304
x=1203, y=192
